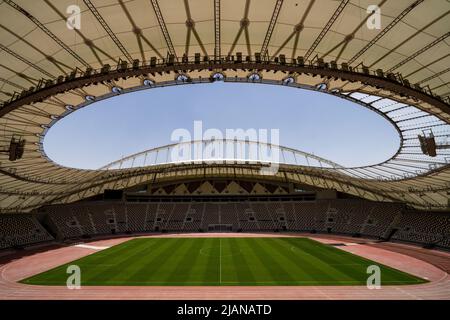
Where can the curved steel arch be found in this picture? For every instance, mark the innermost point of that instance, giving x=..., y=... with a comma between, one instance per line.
x=234, y=143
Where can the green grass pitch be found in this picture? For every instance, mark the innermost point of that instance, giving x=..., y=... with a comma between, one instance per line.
x=222, y=262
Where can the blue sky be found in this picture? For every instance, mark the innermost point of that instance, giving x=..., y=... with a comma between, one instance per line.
x=314, y=122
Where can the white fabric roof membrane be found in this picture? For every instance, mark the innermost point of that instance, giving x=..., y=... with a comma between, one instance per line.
x=35, y=43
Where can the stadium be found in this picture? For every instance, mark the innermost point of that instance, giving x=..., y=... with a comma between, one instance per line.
x=225, y=217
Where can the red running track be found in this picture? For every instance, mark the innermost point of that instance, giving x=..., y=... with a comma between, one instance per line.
x=430, y=264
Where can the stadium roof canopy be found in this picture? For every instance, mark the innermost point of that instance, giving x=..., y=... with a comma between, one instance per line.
x=399, y=70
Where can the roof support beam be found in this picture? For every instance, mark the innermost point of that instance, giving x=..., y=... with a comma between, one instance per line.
x=29, y=79
x=47, y=32
x=273, y=21
x=344, y=43
x=434, y=76
x=327, y=27
x=244, y=23
x=442, y=16
x=58, y=64
x=15, y=55
x=440, y=86
x=385, y=30
x=138, y=33
x=190, y=25
x=419, y=52
x=217, y=52
x=108, y=29
x=427, y=65
x=88, y=42
x=296, y=32
x=12, y=84
x=163, y=27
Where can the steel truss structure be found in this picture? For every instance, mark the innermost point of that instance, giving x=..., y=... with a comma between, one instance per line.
x=150, y=43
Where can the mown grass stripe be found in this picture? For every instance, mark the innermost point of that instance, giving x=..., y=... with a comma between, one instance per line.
x=322, y=268
x=115, y=266
x=155, y=266
x=211, y=271
x=138, y=269
x=302, y=266
x=181, y=266
x=238, y=265
x=267, y=261
x=354, y=266
x=196, y=261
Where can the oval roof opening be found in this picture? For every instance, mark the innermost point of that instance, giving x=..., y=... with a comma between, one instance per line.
x=317, y=123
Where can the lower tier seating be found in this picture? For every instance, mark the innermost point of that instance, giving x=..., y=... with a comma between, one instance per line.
x=21, y=230
x=354, y=217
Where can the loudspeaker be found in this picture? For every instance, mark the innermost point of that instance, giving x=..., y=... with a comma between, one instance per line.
x=88, y=71
x=122, y=66
x=16, y=149
x=106, y=68
x=153, y=62
x=258, y=57
x=238, y=57
x=71, y=76
x=171, y=60
x=320, y=63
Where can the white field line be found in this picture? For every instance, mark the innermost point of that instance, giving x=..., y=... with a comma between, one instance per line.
x=87, y=246
x=220, y=260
